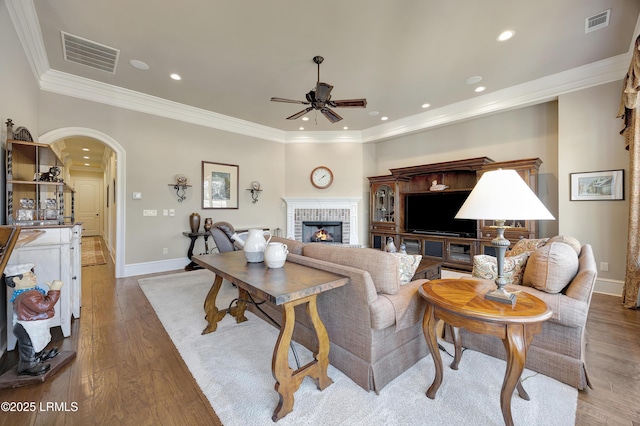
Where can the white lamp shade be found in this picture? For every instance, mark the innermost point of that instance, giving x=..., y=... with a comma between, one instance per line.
x=503, y=195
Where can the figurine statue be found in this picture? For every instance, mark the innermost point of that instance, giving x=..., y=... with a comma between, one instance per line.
x=32, y=309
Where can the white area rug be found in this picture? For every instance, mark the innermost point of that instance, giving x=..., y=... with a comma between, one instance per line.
x=232, y=366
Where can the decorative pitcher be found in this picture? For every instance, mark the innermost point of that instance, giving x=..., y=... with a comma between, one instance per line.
x=275, y=255
x=255, y=244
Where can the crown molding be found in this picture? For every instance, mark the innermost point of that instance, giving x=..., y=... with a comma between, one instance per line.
x=25, y=20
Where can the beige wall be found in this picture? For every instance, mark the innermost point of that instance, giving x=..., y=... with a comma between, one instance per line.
x=523, y=133
x=590, y=141
x=158, y=149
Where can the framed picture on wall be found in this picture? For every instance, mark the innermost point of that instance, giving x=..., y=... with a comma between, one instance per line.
x=219, y=185
x=597, y=186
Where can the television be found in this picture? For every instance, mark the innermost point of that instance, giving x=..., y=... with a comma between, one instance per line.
x=434, y=213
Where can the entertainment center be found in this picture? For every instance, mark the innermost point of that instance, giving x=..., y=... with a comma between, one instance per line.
x=416, y=207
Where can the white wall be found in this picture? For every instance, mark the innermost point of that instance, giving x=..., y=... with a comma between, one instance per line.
x=590, y=141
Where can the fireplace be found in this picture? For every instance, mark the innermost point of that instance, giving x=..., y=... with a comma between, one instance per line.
x=321, y=232
x=325, y=210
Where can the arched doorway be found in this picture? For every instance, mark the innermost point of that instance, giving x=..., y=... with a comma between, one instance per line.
x=67, y=132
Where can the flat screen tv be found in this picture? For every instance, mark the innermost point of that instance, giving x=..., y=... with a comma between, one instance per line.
x=434, y=212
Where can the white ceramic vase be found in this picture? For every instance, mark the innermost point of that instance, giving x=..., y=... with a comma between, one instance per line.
x=255, y=245
x=275, y=255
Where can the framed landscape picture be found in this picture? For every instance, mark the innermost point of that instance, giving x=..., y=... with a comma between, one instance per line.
x=595, y=186
x=219, y=185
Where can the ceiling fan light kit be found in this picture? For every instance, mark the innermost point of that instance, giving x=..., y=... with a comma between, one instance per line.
x=319, y=99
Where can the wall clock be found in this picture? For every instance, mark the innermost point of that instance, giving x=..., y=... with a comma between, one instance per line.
x=321, y=177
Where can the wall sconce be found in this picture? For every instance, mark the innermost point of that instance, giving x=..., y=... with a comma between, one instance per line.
x=255, y=191
x=180, y=186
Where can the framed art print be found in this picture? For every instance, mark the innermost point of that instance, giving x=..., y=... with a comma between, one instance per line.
x=597, y=186
x=219, y=185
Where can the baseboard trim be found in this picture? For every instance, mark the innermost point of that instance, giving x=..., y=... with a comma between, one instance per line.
x=154, y=267
x=608, y=286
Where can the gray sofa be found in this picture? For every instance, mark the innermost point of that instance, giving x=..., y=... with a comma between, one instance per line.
x=374, y=323
x=559, y=350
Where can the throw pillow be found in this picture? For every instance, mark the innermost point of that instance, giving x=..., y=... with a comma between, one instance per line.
x=407, y=265
x=526, y=245
x=573, y=242
x=551, y=268
x=486, y=267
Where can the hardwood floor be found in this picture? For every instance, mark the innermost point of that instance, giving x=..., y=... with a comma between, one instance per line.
x=127, y=370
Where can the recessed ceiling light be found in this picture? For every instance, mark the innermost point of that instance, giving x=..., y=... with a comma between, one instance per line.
x=373, y=113
x=506, y=35
x=475, y=79
x=87, y=164
x=85, y=149
x=385, y=118
x=426, y=105
x=138, y=64
x=305, y=118
x=345, y=128
x=86, y=157
x=176, y=77
x=301, y=128
x=479, y=89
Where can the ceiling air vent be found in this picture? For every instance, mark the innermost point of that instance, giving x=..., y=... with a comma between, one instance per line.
x=596, y=22
x=89, y=53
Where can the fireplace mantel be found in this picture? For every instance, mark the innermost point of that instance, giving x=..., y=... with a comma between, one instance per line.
x=325, y=203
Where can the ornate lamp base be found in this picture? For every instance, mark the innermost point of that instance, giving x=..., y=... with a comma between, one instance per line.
x=502, y=296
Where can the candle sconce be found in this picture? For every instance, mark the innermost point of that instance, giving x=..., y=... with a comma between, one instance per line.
x=180, y=186
x=255, y=191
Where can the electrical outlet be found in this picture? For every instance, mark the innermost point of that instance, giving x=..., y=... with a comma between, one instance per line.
x=149, y=212
x=604, y=266
x=172, y=212
x=165, y=212
x=165, y=250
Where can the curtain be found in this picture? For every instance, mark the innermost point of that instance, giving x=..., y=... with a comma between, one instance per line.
x=630, y=113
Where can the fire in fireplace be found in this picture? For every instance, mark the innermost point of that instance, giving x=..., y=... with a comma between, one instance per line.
x=322, y=232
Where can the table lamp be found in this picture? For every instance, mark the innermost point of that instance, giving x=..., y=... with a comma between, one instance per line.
x=502, y=195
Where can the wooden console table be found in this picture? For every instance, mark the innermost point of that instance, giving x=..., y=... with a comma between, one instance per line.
x=461, y=303
x=289, y=286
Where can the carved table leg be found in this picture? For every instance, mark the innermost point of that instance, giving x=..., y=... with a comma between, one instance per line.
x=238, y=310
x=455, y=335
x=429, y=330
x=211, y=312
x=287, y=380
x=515, y=346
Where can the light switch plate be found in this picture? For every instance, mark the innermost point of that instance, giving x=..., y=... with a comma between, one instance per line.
x=137, y=195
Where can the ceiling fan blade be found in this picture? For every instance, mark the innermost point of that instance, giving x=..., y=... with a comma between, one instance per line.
x=331, y=115
x=323, y=91
x=300, y=114
x=291, y=101
x=349, y=103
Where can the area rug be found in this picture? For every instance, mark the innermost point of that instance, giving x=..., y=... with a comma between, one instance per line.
x=232, y=366
x=92, y=252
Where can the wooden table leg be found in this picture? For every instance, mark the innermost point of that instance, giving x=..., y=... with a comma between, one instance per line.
x=211, y=312
x=457, y=343
x=515, y=346
x=287, y=380
x=238, y=310
x=429, y=330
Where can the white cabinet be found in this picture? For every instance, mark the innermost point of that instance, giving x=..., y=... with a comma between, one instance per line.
x=56, y=255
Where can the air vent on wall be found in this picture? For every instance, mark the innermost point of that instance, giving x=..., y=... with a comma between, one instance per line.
x=597, y=21
x=89, y=53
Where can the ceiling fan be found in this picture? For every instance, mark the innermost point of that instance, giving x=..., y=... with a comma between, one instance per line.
x=320, y=99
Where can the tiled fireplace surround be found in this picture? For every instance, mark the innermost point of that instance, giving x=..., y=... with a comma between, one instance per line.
x=343, y=210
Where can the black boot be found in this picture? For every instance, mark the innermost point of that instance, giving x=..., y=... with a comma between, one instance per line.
x=44, y=354
x=28, y=364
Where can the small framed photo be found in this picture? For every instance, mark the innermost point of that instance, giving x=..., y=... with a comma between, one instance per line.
x=597, y=186
x=219, y=185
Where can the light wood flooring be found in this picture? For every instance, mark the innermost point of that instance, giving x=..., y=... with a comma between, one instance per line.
x=127, y=370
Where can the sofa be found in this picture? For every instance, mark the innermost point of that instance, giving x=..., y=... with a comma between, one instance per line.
x=374, y=322
x=561, y=272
